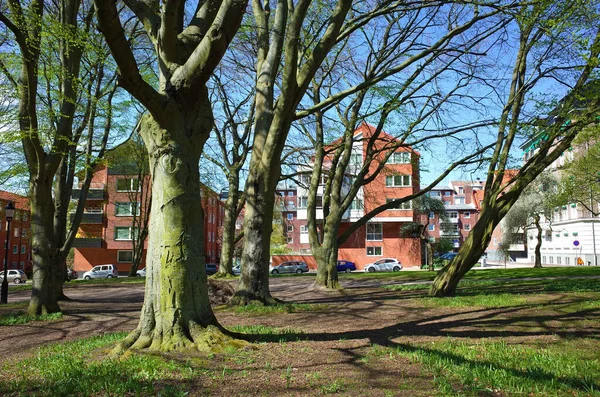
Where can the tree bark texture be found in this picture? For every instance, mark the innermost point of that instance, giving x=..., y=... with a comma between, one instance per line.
x=326, y=257
x=538, y=244
x=228, y=232
x=176, y=313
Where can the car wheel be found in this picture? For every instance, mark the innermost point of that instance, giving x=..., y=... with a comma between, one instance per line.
x=348, y=270
x=17, y=281
x=274, y=272
x=109, y=276
x=299, y=271
x=371, y=270
x=87, y=278
x=396, y=268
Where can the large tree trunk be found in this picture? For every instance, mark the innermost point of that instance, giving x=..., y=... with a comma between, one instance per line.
x=44, y=298
x=176, y=313
x=326, y=257
x=260, y=199
x=538, y=244
x=474, y=246
x=228, y=233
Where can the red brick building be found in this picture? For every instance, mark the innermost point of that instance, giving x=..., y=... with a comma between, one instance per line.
x=19, y=251
x=106, y=230
x=382, y=236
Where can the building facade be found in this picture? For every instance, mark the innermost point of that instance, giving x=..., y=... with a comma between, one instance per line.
x=106, y=232
x=19, y=246
x=382, y=236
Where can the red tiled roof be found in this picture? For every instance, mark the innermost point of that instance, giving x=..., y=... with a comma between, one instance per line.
x=21, y=202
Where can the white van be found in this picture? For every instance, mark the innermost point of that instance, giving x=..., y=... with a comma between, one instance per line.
x=101, y=271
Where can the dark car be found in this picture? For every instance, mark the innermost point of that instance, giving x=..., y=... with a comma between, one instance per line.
x=290, y=267
x=211, y=268
x=345, y=266
x=72, y=275
x=448, y=256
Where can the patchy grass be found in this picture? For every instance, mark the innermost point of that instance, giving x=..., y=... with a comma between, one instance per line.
x=23, y=318
x=483, y=301
x=71, y=369
x=483, y=367
x=259, y=309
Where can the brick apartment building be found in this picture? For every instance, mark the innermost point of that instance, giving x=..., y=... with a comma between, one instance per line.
x=462, y=201
x=19, y=251
x=381, y=237
x=106, y=230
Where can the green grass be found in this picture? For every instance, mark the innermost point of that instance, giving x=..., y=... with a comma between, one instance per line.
x=66, y=369
x=23, y=318
x=259, y=309
x=482, y=368
x=81, y=282
x=483, y=301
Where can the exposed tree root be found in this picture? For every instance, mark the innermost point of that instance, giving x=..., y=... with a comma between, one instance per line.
x=241, y=299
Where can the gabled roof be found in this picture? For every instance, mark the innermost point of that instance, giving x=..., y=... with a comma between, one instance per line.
x=366, y=131
x=21, y=202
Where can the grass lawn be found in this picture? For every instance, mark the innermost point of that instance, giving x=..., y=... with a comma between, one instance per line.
x=511, y=337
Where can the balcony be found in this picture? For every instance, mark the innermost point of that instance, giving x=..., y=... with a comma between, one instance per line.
x=93, y=194
x=90, y=218
x=87, y=243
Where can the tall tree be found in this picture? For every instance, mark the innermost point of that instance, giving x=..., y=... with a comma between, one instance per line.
x=547, y=45
x=189, y=40
x=533, y=207
x=64, y=93
x=298, y=39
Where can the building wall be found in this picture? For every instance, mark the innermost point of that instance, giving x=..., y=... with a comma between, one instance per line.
x=20, y=233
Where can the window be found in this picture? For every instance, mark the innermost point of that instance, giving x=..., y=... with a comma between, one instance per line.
x=355, y=158
x=357, y=204
x=290, y=240
x=467, y=214
x=319, y=202
x=303, y=229
x=290, y=217
x=305, y=179
x=23, y=249
x=15, y=249
x=399, y=158
x=558, y=260
x=544, y=259
x=22, y=265
x=374, y=251
x=374, y=232
x=461, y=190
x=24, y=233
x=125, y=233
x=127, y=209
x=467, y=227
x=291, y=203
x=290, y=228
x=567, y=260
x=434, y=194
x=16, y=232
x=431, y=239
x=397, y=180
x=551, y=260
x=431, y=227
x=302, y=202
x=25, y=216
x=128, y=185
x=453, y=215
x=459, y=200
x=431, y=215
x=125, y=256
x=447, y=194
x=407, y=205
x=290, y=194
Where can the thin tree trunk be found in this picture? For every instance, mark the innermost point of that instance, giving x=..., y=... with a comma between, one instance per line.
x=228, y=232
x=538, y=245
x=176, y=313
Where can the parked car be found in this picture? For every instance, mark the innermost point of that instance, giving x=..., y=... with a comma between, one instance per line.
x=101, y=271
x=384, y=265
x=211, y=268
x=237, y=269
x=72, y=274
x=345, y=266
x=290, y=267
x=448, y=256
x=141, y=272
x=14, y=276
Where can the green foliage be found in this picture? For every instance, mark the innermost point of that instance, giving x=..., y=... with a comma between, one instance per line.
x=23, y=318
x=278, y=237
x=259, y=309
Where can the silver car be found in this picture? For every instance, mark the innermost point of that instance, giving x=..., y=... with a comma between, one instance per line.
x=290, y=267
x=101, y=271
x=14, y=276
x=384, y=265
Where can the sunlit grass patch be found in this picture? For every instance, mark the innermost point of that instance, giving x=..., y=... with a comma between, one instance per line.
x=67, y=369
x=23, y=318
x=259, y=309
x=484, y=301
x=508, y=369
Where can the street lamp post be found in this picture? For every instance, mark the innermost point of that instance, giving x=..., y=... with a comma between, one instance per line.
x=9, y=212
